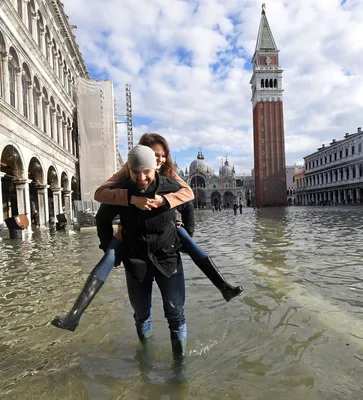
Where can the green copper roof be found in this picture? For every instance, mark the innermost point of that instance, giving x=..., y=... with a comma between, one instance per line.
x=265, y=40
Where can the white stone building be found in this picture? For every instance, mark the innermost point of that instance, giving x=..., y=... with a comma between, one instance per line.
x=333, y=174
x=291, y=172
x=39, y=143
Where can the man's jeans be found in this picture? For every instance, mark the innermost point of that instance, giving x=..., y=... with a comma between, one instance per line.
x=173, y=294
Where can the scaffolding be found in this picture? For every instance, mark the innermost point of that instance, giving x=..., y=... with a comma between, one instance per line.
x=130, y=135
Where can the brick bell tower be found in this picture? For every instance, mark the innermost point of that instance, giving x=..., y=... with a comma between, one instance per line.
x=268, y=120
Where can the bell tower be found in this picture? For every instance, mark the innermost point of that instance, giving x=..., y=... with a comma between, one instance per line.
x=268, y=120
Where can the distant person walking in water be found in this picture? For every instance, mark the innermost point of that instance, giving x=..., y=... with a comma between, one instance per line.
x=235, y=208
x=240, y=208
x=35, y=218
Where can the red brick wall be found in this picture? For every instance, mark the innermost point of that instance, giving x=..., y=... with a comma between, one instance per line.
x=270, y=168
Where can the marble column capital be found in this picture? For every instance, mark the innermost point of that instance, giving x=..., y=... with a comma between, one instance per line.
x=57, y=190
x=67, y=192
x=41, y=187
x=19, y=182
x=4, y=55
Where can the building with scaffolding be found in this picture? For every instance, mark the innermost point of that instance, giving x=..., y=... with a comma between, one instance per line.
x=40, y=69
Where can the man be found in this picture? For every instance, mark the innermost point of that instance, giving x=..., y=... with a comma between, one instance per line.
x=150, y=247
x=36, y=218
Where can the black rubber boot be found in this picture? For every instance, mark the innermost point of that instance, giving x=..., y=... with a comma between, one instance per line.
x=214, y=275
x=179, y=347
x=71, y=320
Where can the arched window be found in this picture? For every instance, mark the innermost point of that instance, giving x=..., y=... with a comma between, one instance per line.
x=271, y=85
x=266, y=83
x=275, y=83
x=262, y=83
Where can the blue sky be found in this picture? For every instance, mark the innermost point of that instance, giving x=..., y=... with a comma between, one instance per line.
x=189, y=64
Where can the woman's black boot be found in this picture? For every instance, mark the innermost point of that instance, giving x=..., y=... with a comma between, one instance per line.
x=214, y=275
x=71, y=320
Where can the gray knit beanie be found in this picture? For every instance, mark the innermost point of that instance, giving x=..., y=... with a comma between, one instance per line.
x=141, y=157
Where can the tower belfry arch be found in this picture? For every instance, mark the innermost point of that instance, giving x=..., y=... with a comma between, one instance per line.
x=268, y=119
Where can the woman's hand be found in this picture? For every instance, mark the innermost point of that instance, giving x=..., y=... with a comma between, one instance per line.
x=159, y=201
x=143, y=203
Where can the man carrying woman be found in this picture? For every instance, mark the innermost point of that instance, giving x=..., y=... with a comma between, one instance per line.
x=113, y=194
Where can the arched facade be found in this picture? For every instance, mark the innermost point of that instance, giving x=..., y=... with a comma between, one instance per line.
x=37, y=144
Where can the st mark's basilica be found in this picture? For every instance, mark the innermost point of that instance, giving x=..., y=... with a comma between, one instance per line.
x=217, y=190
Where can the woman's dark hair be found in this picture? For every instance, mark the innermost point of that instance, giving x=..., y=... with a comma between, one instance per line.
x=150, y=139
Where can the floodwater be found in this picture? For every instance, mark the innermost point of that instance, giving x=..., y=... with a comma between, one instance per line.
x=295, y=333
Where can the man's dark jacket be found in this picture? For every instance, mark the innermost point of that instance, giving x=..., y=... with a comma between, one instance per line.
x=149, y=237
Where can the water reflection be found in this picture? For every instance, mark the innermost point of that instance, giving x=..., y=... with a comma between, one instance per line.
x=296, y=333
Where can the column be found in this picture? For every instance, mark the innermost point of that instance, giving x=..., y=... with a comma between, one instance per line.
x=42, y=41
x=55, y=61
x=31, y=101
x=35, y=26
x=40, y=111
x=70, y=140
x=47, y=118
x=356, y=191
x=60, y=71
x=68, y=205
x=60, y=130
x=66, y=82
x=65, y=135
x=70, y=91
x=57, y=199
x=2, y=174
x=23, y=198
x=25, y=12
x=42, y=192
x=55, y=125
x=5, y=70
x=50, y=52
x=19, y=90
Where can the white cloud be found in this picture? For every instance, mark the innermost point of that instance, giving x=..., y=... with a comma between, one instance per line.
x=188, y=63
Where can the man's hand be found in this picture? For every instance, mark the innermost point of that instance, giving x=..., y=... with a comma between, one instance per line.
x=143, y=203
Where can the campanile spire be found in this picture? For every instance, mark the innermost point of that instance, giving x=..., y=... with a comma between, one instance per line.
x=268, y=120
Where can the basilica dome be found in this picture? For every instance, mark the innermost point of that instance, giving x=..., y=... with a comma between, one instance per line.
x=199, y=166
x=178, y=170
x=226, y=170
